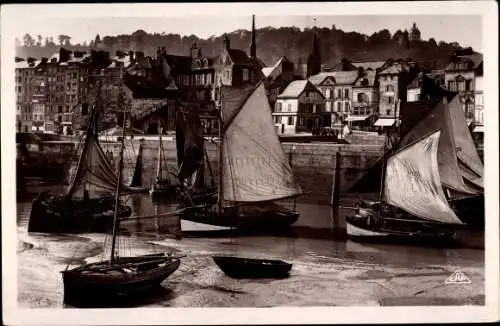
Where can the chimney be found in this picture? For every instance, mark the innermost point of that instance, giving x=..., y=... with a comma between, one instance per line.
x=18, y=59
x=63, y=55
x=226, y=43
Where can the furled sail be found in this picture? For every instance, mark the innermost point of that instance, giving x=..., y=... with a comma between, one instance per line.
x=255, y=165
x=453, y=141
x=412, y=181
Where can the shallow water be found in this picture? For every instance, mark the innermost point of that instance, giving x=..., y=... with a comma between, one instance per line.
x=325, y=272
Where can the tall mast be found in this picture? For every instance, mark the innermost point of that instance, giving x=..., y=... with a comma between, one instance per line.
x=382, y=178
x=221, y=149
x=118, y=187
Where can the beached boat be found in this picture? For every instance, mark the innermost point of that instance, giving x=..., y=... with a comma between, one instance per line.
x=412, y=206
x=89, y=197
x=118, y=275
x=253, y=171
x=238, y=267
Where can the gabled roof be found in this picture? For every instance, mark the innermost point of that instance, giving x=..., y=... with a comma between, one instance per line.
x=239, y=57
x=178, y=63
x=22, y=64
x=340, y=77
x=396, y=68
x=296, y=88
x=267, y=71
x=466, y=62
x=156, y=88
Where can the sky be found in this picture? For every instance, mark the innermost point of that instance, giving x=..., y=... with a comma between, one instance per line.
x=464, y=29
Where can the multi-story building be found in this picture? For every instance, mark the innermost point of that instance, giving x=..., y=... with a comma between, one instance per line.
x=393, y=81
x=460, y=77
x=364, y=96
x=479, y=105
x=300, y=108
x=39, y=97
x=23, y=77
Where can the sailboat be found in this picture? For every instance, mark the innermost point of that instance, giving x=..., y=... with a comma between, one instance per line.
x=459, y=165
x=88, y=204
x=163, y=185
x=412, y=206
x=253, y=168
x=192, y=159
x=118, y=275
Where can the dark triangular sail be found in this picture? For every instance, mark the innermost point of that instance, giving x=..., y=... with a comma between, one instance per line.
x=137, y=176
x=190, y=146
x=94, y=174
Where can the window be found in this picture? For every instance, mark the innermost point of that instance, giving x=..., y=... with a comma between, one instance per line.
x=278, y=107
x=468, y=85
x=289, y=107
x=452, y=86
x=301, y=121
x=339, y=107
x=245, y=74
x=327, y=93
x=275, y=119
x=290, y=121
x=278, y=120
x=461, y=86
x=361, y=97
x=346, y=107
x=388, y=111
x=346, y=93
x=390, y=99
x=339, y=93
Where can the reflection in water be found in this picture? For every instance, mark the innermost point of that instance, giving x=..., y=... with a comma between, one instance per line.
x=326, y=271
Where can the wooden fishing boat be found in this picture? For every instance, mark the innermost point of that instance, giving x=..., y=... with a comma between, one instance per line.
x=89, y=195
x=237, y=267
x=254, y=170
x=165, y=184
x=118, y=275
x=412, y=206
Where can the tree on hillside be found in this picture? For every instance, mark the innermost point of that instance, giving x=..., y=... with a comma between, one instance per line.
x=39, y=40
x=17, y=42
x=28, y=40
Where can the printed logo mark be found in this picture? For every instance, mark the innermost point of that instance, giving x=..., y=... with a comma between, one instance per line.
x=457, y=278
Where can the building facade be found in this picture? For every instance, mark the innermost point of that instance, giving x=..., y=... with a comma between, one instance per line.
x=300, y=108
x=365, y=95
x=460, y=77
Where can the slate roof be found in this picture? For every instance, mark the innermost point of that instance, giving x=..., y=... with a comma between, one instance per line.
x=396, y=68
x=178, y=63
x=373, y=65
x=294, y=89
x=370, y=76
x=142, y=88
x=239, y=57
x=341, y=77
x=466, y=62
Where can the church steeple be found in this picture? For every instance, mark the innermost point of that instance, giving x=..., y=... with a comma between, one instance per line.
x=314, y=60
x=253, y=48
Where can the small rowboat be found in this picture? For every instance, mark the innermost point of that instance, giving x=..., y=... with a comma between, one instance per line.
x=237, y=267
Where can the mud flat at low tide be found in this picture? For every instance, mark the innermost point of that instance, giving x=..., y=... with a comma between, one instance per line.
x=323, y=273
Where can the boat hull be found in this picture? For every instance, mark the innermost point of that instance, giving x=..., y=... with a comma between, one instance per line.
x=470, y=210
x=246, y=218
x=95, y=282
x=60, y=215
x=359, y=229
x=237, y=267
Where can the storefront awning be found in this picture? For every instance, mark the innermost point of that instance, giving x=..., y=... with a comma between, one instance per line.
x=478, y=129
x=385, y=122
x=357, y=117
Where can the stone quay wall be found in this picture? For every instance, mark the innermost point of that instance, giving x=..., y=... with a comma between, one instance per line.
x=313, y=164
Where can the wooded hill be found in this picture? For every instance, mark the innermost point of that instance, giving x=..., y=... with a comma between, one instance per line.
x=272, y=43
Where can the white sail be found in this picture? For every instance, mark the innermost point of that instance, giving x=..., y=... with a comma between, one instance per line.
x=255, y=165
x=412, y=182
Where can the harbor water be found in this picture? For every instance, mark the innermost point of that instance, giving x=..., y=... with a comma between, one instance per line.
x=328, y=270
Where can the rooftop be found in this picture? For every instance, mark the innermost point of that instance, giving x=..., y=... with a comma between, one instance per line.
x=294, y=89
x=466, y=62
x=340, y=77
